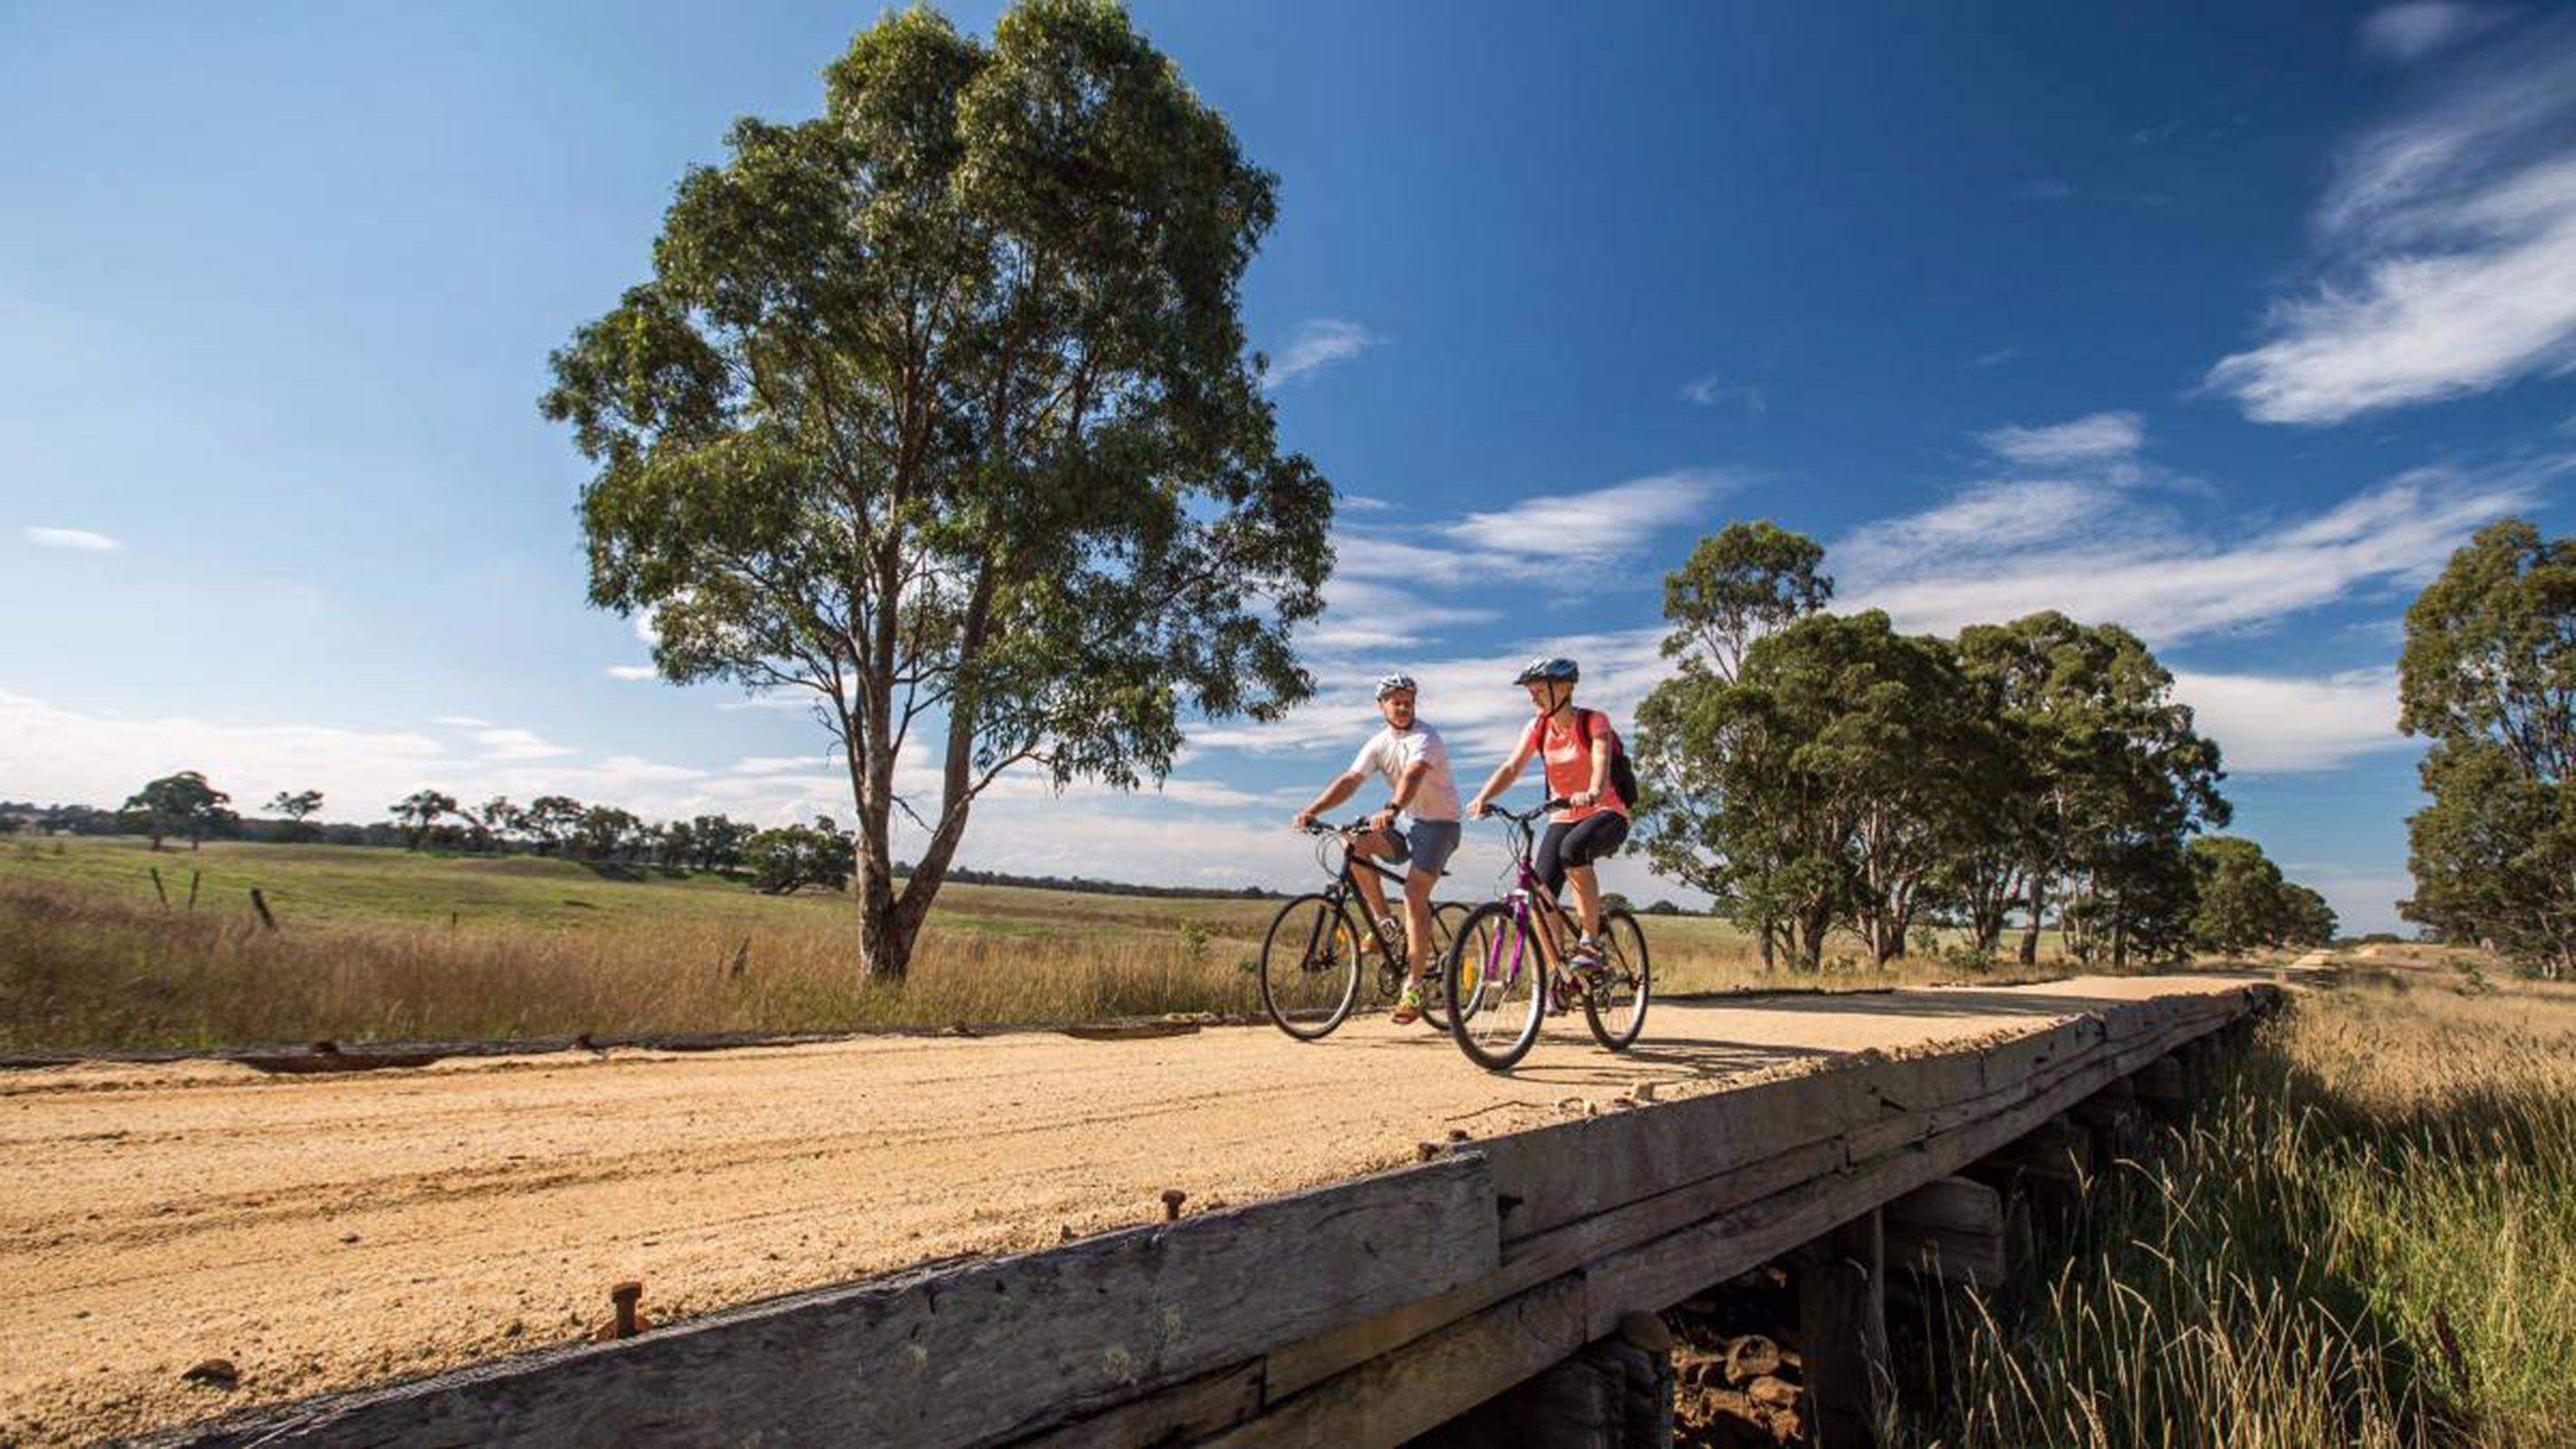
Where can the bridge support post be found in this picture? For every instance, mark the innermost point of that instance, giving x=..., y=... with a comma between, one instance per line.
x=1842, y=1331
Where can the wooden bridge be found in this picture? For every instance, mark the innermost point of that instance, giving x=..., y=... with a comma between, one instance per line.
x=1370, y=1310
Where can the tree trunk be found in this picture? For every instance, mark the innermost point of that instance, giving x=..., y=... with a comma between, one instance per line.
x=2030, y=933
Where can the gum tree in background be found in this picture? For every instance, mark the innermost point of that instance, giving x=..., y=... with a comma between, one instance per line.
x=2489, y=676
x=180, y=804
x=295, y=807
x=1744, y=581
x=937, y=409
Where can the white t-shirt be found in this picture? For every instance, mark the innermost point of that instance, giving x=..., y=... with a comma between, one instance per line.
x=1390, y=754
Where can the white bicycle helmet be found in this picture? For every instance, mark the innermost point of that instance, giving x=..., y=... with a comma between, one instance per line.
x=1393, y=682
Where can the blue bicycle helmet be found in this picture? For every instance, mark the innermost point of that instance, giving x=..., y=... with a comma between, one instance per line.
x=1549, y=669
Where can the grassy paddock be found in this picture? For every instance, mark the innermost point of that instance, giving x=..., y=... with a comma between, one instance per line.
x=385, y=944
x=2367, y=1237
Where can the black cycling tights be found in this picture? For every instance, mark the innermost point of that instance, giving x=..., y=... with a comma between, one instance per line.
x=1581, y=843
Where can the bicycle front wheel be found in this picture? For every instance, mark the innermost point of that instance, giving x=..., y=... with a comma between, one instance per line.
x=1615, y=1004
x=1498, y=980
x=1310, y=967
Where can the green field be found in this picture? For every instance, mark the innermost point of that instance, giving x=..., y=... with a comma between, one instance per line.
x=377, y=943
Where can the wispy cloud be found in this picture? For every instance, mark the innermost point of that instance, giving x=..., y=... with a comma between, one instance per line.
x=1712, y=390
x=1318, y=342
x=2417, y=29
x=1361, y=503
x=462, y=722
x=82, y=539
x=2044, y=188
x=630, y=671
x=2447, y=250
x=1603, y=523
x=2000, y=550
x=2278, y=724
x=510, y=744
x=2096, y=438
x=1996, y=358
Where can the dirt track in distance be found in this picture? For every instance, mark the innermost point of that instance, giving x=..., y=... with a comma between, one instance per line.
x=325, y=1232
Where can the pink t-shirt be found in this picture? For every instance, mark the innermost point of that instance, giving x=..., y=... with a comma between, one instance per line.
x=1568, y=753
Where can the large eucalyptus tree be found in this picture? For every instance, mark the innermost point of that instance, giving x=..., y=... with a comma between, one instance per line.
x=937, y=409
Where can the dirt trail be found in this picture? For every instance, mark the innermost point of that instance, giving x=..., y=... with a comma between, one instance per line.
x=323, y=1232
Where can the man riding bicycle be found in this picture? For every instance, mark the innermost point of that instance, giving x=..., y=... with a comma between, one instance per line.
x=1410, y=756
x=1578, y=746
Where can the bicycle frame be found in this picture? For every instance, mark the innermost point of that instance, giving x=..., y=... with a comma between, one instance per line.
x=1551, y=913
x=1346, y=886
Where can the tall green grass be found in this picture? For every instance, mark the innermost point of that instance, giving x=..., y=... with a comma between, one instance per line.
x=2366, y=1236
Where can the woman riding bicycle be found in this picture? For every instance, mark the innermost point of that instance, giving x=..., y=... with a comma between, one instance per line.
x=1578, y=746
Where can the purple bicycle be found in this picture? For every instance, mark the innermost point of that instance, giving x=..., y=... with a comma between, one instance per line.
x=1506, y=969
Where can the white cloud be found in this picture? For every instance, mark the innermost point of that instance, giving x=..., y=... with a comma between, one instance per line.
x=1318, y=342
x=1361, y=503
x=2273, y=724
x=1711, y=390
x=510, y=744
x=774, y=764
x=2448, y=252
x=1588, y=527
x=1999, y=551
x=81, y=539
x=2095, y=438
x=463, y=722
x=1997, y=357
x=2417, y=29
x=631, y=671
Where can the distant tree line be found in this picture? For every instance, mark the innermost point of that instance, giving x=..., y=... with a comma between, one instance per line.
x=1818, y=773
x=777, y=861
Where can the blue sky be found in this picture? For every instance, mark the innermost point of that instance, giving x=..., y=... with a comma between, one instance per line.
x=2227, y=324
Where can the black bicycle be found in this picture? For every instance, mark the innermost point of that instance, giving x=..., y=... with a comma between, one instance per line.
x=1311, y=966
x=1510, y=992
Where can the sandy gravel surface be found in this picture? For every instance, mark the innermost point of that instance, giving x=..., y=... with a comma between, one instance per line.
x=324, y=1232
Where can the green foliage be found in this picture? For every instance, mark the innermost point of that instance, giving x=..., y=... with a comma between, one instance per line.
x=419, y=811
x=2489, y=675
x=295, y=807
x=1814, y=772
x=1739, y=583
x=180, y=804
x=937, y=409
x=2105, y=778
x=794, y=856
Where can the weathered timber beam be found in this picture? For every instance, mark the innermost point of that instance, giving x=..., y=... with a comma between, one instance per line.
x=1951, y=1228
x=1842, y=1334
x=961, y=1355
x=2053, y=1152
x=1395, y=1396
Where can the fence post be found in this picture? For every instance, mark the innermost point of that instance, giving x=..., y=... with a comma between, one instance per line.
x=157, y=887
x=259, y=903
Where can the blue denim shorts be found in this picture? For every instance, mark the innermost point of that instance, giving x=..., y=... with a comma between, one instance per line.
x=1425, y=844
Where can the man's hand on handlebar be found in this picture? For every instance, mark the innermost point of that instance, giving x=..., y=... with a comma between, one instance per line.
x=1303, y=820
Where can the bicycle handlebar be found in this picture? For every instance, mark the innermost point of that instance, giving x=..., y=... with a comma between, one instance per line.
x=1531, y=815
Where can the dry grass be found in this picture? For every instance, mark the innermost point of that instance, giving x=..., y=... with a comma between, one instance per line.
x=386, y=945
x=2367, y=1238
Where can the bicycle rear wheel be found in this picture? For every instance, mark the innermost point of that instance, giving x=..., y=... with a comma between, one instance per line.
x=1615, y=1006
x=1446, y=918
x=1495, y=970
x=1310, y=967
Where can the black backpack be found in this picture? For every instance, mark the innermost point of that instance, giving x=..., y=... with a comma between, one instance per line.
x=1623, y=776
